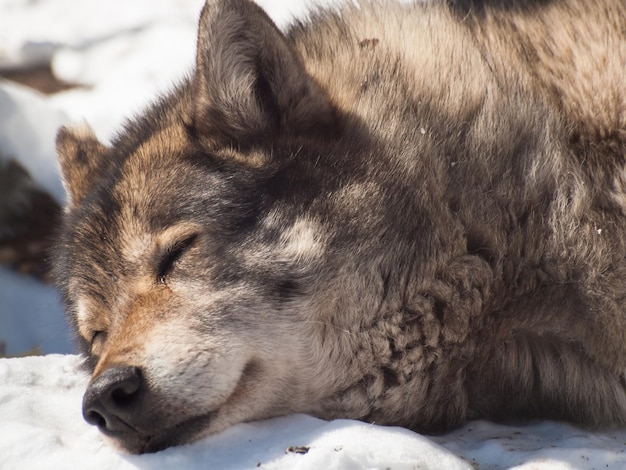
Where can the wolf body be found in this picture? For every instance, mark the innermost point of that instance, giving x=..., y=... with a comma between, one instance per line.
x=405, y=214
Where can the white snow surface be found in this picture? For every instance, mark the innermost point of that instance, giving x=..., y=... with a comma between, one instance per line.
x=41, y=428
x=123, y=53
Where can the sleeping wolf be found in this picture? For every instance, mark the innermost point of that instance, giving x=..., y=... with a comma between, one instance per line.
x=405, y=214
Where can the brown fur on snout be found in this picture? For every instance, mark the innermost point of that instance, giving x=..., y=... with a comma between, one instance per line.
x=406, y=214
x=125, y=345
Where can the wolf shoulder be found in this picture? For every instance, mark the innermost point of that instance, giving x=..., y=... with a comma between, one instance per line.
x=562, y=57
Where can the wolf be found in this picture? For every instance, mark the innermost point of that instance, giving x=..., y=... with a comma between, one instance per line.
x=408, y=214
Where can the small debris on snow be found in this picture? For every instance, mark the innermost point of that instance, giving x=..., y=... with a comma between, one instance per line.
x=297, y=450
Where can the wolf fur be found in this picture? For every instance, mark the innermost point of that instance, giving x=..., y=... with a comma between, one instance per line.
x=405, y=214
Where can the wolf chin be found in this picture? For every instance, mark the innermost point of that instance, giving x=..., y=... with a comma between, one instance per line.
x=404, y=214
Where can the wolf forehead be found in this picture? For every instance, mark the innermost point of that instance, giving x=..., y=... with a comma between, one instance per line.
x=133, y=202
x=137, y=192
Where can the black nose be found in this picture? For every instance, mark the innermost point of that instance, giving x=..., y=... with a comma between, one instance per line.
x=110, y=401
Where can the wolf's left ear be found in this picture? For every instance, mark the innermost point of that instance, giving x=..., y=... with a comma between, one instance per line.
x=248, y=79
x=80, y=155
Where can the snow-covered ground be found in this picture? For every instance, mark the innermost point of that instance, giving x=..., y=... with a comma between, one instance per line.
x=124, y=52
x=41, y=428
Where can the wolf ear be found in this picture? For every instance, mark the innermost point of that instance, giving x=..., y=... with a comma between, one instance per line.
x=248, y=79
x=80, y=154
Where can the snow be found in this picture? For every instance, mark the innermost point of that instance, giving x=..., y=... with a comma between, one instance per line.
x=31, y=317
x=36, y=416
x=41, y=428
x=124, y=52
x=27, y=132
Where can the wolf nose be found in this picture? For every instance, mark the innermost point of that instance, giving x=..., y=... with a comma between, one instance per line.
x=108, y=401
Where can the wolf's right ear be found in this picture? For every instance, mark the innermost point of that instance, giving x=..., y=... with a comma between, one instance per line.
x=80, y=154
x=249, y=81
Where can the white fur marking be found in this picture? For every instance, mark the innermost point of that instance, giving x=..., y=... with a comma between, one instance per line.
x=303, y=240
x=134, y=247
x=82, y=313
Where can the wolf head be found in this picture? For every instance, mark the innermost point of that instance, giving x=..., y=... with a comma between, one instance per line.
x=196, y=257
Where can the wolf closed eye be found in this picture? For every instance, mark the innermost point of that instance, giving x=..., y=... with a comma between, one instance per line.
x=98, y=338
x=170, y=256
